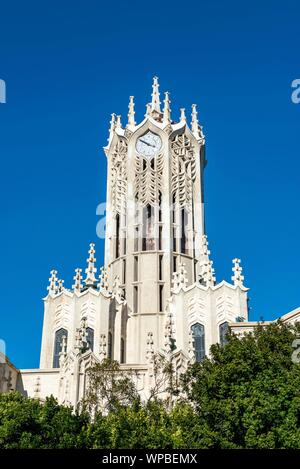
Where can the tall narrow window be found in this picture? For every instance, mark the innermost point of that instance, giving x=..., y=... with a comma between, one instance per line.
x=109, y=346
x=136, y=238
x=161, y=297
x=199, y=341
x=160, y=238
x=135, y=268
x=173, y=208
x=124, y=271
x=159, y=207
x=136, y=209
x=117, y=235
x=174, y=263
x=122, y=351
x=148, y=228
x=160, y=267
x=90, y=338
x=195, y=271
x=183, y=237
x=174, y=240
x=223, y=330
x=57, y=345
x=135, y=299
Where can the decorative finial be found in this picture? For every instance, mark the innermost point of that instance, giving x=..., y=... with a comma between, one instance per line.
x=168, y=334
x=37, y=387
x=148, y=110
x=103, y=281
x=150, y=349
x=102, y=351
x=167, y=110
x=207, y=272
x=60, y=285
x=237, y=270
x=63, y=352
x=52, y=288
x=117, y=291
x=195, y=123
x=81, y=337
x=155, y=102
x=131, y=112
x=91, y=269
x=112, y=127
x=180, y=279
x=191, y=348
x=84, y=334
x=118, y=123
x=77, y=278
x=182, y=116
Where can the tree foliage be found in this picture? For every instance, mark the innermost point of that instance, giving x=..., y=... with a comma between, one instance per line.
x=246, y=395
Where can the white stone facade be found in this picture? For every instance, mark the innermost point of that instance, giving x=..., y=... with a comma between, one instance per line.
x=157, y=291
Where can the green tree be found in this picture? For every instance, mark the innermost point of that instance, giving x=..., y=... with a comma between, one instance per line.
x=247, y=395
x=109, y=388
x=28, y=423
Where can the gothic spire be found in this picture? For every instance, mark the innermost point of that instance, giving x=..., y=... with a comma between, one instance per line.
x=131, y=111
x=77, y=280
x=155, y=102
x=182, y=116
x=207, y=272
x=119, y=124
x=237, y=270
x=60, y=285
x=167, y=109
x=148, y=109
x=112, y=127
x=91, y=269
x=52, y=288
x=195, y=123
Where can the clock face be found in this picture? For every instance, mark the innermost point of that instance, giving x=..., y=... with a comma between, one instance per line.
x=149, y=144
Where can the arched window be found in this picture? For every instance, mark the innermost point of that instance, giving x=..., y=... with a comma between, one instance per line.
x=199, y=341
x=57, y=345
x=90, y=338
x=223, y=330
x=122, y=351
x=109, y=346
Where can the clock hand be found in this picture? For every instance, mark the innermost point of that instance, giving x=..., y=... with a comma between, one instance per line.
x=144, y=141
x=149, y=144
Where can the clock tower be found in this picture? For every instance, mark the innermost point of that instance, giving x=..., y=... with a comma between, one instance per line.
x=155, y=219
x=157, y=292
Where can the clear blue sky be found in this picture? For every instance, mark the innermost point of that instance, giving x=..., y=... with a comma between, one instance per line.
x=69, y=64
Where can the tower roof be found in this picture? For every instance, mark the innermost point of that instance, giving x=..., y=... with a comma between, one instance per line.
x=160, y=117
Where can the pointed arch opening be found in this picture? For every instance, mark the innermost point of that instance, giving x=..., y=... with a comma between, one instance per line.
x=90, y=338
x=58, y=345
x=199, y=341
